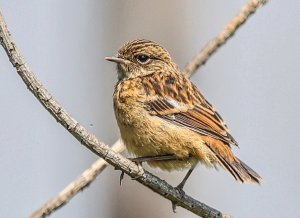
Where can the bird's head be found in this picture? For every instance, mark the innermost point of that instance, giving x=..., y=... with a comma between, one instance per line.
x=140, y=58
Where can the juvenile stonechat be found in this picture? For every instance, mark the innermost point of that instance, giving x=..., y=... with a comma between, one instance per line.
x=164, y=119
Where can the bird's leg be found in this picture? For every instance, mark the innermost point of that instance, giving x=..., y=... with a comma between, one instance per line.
x=179, y=187
x=140, y=160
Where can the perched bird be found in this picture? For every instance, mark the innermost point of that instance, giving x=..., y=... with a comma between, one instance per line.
x=165, y=120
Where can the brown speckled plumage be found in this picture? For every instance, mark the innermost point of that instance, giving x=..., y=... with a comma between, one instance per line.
x=159, y=112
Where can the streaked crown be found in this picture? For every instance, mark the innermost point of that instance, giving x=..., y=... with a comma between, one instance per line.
x=140, y=58
x=131, y=50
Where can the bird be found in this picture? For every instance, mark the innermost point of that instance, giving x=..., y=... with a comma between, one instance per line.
x=165, y=120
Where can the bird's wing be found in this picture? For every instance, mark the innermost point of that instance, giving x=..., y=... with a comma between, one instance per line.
x=182, y=104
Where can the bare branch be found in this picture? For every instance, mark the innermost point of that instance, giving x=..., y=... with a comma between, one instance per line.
x=90, y=141
x=213, y=45
x=76, y=186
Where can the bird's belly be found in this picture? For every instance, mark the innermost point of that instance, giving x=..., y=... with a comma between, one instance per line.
x=152, y=136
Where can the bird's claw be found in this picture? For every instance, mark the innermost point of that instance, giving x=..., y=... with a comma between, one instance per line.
x=121, y=177
x=179, y=189
x=174, y=204
x=138, y=163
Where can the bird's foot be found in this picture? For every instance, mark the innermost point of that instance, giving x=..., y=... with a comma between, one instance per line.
x=179, y=189
x=138, y=162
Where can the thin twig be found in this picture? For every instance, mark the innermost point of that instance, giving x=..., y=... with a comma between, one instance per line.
x=213, y=45
x=90, y=141
x=76, y=186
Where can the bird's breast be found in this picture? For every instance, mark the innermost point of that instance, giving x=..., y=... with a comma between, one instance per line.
x=128, y=101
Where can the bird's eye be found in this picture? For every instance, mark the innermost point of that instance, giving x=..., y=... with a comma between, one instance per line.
x=143, y=59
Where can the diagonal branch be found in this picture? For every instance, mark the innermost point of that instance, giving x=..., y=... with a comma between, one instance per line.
x=213, y=45
x=90, y=141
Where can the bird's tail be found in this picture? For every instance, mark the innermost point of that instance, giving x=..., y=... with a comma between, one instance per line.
x=239, y=170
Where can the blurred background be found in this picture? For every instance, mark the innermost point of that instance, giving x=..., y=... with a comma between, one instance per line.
x=253, y=81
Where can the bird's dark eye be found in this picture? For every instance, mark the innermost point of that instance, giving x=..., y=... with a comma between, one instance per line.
x=143, y=59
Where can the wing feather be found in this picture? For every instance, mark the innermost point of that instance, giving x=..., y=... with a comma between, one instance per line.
x=189, y=109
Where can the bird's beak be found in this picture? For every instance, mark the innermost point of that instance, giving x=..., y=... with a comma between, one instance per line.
x=117, y=60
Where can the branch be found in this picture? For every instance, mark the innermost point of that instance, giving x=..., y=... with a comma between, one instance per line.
x=79, y=184
x=213, y=45
x=90, y=141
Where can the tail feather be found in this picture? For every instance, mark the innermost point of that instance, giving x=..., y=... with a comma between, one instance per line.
x=254, y=177
x=239, y=170
x=229, y=168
